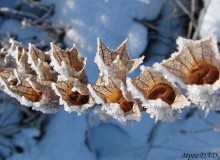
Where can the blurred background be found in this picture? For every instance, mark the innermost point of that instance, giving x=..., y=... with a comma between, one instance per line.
x=151, y=27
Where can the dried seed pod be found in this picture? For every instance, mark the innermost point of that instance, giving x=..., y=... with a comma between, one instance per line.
x=116, y=100
x=116, y=64
x=196, y=67
x=161, y=98
x=68, y=62
x=73, y=95
x=20, y=56
x=29, y=92
x=40, y=63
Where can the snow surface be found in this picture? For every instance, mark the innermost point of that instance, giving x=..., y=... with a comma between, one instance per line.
x=211, y=19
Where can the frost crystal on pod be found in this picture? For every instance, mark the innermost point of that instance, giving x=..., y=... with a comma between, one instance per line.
x=196, y=67
x=116, y=64
x=68, y=63
x=161, y=98
x=115, y=100
x=73, y=95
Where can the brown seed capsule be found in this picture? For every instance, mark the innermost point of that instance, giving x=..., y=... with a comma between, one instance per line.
x=196, y=62
x=77, y=98
x=126, y=106
x=117, y=97
x=204, y=73
x=71, y=97
x=153, y=85
x=162, y=91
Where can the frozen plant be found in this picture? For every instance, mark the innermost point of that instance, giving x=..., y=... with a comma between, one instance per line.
x=46, y=81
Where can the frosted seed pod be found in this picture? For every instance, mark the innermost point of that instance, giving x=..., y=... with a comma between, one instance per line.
x=29, y=92
x=40, y=63
x=116, y=64
x=116, y=100
x=73, y=95
x=161, y=98
x=196, y=66
x=68, y=62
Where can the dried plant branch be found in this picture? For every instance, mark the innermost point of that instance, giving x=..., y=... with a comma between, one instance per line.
x=196, y=65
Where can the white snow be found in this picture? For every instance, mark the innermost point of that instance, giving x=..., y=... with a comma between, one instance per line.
x=211, y=19
x=64, y=139
x=137, y=38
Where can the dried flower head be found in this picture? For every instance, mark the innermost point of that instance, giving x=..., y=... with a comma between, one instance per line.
x=68, y=62
x=115, y=100
x=116, y=64
x=161, y=98
x=196, y=67
x=73, y=95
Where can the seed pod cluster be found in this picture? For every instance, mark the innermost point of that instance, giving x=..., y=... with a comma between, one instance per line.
x=32, y=78
x=46, y=81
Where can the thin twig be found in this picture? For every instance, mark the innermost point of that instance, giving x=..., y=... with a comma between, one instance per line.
x=14, y=12
x=187, y=12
